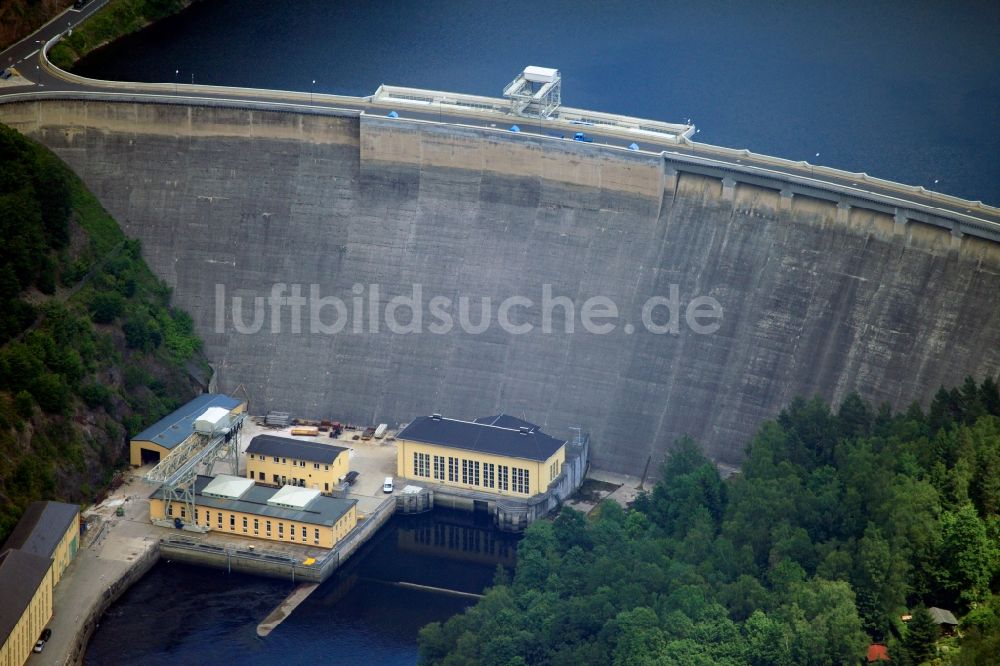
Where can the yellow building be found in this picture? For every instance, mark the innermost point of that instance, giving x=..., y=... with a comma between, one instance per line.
x=280, y=461
x=50, y=530
x=159, y=439
x=501, y=454
x=26, y=582
x=235, y=505
x=32, y=561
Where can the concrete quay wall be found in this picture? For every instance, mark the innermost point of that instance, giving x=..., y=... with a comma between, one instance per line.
x=817, y=298
x=116, y=588
x=264, y=562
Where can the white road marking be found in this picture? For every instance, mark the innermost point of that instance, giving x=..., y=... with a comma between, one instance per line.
x=31, y=54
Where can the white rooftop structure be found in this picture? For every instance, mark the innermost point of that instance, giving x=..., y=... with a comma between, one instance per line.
x=293, y=497
x=540, y=74
x=227, y=486
x=535, y=93
x=212, y=421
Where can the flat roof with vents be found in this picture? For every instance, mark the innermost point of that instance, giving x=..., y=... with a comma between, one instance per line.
x=293, y=497
x=322, y=510
x=227, y=486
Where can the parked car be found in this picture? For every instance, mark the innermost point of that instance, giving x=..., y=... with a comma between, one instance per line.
x=43, y=639
x=387, y=486
x=351, y=477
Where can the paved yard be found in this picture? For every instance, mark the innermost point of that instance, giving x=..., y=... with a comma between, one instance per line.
x=109, y=549
x=373, y=459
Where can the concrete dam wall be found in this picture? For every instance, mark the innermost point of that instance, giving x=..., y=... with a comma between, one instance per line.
x=228, y=202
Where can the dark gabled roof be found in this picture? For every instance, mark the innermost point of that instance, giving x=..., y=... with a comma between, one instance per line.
x=323, y=510
x=942, y=616
x=506, y=421
x=270, y=445
x=41, y=527
x=20, y=574
x=175, y=427
x=533, y=444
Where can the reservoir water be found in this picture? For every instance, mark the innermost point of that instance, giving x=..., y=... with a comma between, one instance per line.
x=903, y=90
x=181, y=614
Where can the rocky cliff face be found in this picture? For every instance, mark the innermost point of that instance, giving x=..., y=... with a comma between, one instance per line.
x=228, y=202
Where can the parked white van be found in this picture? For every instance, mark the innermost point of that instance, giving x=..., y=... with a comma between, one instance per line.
x=387, y=486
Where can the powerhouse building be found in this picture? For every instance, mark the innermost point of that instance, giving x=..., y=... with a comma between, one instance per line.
x=501, y=455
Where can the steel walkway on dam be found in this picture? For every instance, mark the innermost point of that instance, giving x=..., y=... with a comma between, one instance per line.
x=904, y=203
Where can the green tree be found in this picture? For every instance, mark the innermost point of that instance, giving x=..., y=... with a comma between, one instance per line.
x=989, y=396
x=767, y=641
x=689, y=480
x=944, y=410
x=640, y=638
x=968, y=555
x=825, y=623
x=879, y=581
x=137, y=333
x=920, y=639
x=984, y=488
x=855, y=417
x=51, y=393
x=570, y=529
x=24, y=404
x=106, y=306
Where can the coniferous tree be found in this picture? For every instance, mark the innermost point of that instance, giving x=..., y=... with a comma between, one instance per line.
x=920, y=641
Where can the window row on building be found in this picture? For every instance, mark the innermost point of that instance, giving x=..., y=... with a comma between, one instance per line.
x=279, y=480
x=473, y=472
x=253, y=526
x=284, y=461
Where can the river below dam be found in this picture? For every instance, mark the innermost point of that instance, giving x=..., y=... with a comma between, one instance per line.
x=905, y=91
x=182, y=614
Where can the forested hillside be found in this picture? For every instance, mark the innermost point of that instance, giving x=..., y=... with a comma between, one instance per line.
x=90, y=349
x=838, y=524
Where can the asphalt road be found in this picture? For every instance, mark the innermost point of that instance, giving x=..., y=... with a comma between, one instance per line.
x=26, y=57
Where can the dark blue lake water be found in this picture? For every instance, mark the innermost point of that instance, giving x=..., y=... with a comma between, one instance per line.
x=907, y=90
x=180, y=614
